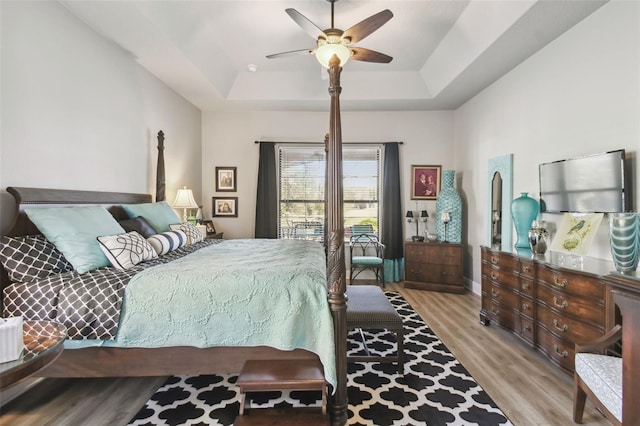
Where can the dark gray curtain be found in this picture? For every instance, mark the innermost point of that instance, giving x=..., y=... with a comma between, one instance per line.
x=392, y=214
x=266, y=202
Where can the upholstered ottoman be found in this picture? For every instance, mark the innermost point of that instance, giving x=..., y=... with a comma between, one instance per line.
x=369, y=309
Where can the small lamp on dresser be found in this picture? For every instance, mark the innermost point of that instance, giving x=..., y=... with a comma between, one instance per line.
x=446, y=218
x=410, y=219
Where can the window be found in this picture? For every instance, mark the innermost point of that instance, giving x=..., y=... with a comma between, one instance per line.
x=301, y=184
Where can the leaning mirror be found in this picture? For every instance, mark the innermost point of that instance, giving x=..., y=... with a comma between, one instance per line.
x=496, y=211
x=499, y=197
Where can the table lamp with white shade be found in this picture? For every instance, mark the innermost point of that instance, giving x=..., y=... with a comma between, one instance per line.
x=184, y=200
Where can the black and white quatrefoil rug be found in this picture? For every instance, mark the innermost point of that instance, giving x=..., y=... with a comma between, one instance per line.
x=435, y=389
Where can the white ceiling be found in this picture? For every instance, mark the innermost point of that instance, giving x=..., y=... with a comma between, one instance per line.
x=444, y=51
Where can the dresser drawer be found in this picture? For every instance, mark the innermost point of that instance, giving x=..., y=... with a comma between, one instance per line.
x=526, y=287
x=501, y=276
x=504, y=297
x=573, y=283
x=560, y=352
x=500, y=260
x=569, y=305
x=503, y=315
x=526, y=329
x=442, y=254
x=415, y=253
x=527, y=268
x=527, y=307
x=428, y=272
x=567, y=328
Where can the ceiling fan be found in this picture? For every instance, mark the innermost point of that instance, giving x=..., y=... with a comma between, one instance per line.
x=334, y=41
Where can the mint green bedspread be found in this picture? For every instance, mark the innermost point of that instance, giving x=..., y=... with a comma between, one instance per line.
x=236, y=293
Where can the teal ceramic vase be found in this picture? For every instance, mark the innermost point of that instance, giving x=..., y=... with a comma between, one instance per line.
x=449, y=207
x=524, y=210
x=624, y=237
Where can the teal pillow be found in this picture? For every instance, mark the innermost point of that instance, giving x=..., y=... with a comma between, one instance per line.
x=73, y=230
x=160, y=215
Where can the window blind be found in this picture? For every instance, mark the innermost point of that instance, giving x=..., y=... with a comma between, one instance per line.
x=301, y=184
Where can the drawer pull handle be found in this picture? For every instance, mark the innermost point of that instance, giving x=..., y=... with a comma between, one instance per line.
x=494, y=276
x=495, y=293
x=527, y=328
x=526, y=268
x=563, y=354
x=494, y=260
x=559, y=283
x=525, y=306
x=563, y=328
x=525, y=286
x=562, y=305
x=495, y=311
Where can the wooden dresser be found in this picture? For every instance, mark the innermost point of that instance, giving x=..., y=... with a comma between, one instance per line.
x=433, y=266
x=550, y=302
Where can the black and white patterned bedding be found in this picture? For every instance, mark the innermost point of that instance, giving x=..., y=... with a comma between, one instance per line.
x=88, y=304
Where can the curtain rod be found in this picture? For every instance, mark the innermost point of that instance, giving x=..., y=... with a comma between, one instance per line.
x=322, y=143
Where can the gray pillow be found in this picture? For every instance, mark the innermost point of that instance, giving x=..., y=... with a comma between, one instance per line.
x=138, y=224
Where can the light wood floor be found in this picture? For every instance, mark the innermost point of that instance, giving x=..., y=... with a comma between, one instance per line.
x=528, y=388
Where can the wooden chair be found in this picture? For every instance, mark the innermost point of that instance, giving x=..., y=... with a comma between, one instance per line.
x=366, y=253
x=599, y=377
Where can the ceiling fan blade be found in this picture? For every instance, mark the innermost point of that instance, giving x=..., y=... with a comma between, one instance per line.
x=365, y=28
x=292, y=53
x=367, y=55
x=304, y=23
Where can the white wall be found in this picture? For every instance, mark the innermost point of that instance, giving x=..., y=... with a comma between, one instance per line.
x=79, y=113
x=228, y=140
x=580, y=95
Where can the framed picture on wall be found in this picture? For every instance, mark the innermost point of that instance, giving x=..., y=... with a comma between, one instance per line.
x=226, y=179
x=425, y=182
x=225, y=207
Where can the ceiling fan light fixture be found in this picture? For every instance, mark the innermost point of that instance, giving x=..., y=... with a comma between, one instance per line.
x=325, y=52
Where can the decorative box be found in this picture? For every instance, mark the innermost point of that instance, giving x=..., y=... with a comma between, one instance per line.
x=11, y=342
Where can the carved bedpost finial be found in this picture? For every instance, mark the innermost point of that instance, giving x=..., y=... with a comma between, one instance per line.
x=160, y=179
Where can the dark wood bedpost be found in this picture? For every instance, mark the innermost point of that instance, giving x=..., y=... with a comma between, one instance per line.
x=335, y=246
x=160, y=181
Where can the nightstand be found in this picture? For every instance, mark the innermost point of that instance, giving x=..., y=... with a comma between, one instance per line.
x=433, y=266
x=43, y=343
x=216, y=236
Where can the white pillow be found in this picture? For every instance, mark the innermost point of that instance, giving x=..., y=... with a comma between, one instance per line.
x=167, y=241
x=193, y=234
x=124, y=251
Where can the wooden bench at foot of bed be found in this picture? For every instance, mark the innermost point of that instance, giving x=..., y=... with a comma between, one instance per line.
x=143, y=362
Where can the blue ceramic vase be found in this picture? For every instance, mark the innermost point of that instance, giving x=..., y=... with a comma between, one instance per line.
x=449, y=201
x=624, y=236
x=524, y=210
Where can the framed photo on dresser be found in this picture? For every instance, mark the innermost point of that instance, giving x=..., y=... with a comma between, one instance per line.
x=211, y=229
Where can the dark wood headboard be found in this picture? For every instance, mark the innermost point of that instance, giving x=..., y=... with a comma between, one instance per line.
x=42, y=198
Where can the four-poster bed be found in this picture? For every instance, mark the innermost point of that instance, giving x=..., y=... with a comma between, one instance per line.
x=187, y=360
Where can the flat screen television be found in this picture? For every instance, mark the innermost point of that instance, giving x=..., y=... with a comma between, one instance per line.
x=591, y=184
